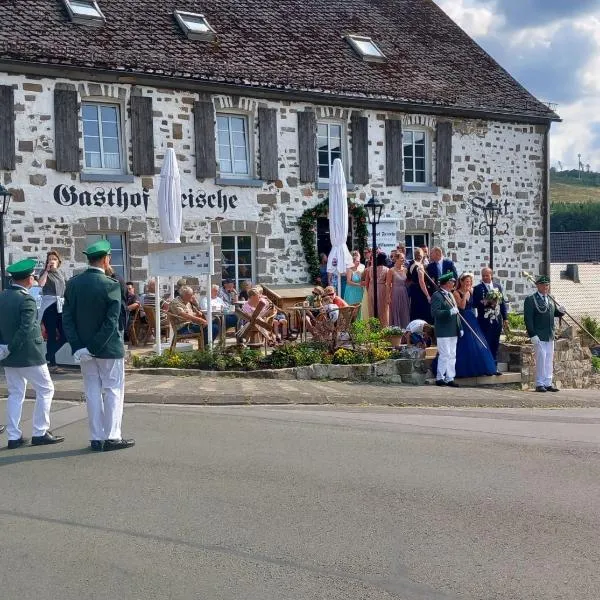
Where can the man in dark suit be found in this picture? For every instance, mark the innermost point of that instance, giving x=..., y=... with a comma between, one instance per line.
x=438, y=266
x=23, y=358
x=491, y=316
x=92, y=324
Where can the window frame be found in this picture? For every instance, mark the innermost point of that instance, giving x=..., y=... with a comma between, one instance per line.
x=355, y=41
x=83, y=19
x=236, y=265
x=103, y=235
x=98, y=103
x=343, y=149
x=201, y=36
x=428, y=241
x=428, y=152
x=249, y=124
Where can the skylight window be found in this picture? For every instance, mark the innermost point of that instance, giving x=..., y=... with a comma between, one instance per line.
x=366, y=48
x=195, y=26
x=85, y=12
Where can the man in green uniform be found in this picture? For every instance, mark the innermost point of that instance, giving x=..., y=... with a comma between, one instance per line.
x=23, y=357
x=91, y=323
x=540, y=311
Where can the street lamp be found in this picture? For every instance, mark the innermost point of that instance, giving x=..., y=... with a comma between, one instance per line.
x=491, y=213
x=374, y=210
x=5, y=197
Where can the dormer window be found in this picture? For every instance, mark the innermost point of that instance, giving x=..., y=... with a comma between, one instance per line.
x=85, y=12
x=195, y=26
x=366, y=48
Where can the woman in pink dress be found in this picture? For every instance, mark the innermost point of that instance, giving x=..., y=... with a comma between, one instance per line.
x=382, y=292
x=398, y=294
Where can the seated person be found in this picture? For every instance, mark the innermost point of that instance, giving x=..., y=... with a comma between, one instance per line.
x=131, y=298
x=418, y=333
x=256, y=299
x=228, y=293
x=190, y=318
x=219, y=305
x=280, y=320
x=149, y=298
x=314, y=299
x=339, y=302
x=244, y=287
x=329, y=307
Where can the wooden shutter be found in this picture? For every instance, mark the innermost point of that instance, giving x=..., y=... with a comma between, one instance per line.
x=307, y=146
x=267, y=135
x=142, y=135
x=360, y=148
x=7, y=128
x=204, y=133
x=66, y=130
x=393, y=152
x=444, y=154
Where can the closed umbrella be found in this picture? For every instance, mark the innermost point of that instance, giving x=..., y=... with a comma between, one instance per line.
x=339, y=258
x=169, y=200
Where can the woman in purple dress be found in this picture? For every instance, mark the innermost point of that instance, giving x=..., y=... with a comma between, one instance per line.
x=396, y=284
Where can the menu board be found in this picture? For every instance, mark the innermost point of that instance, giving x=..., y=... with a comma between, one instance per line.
x=193, y=261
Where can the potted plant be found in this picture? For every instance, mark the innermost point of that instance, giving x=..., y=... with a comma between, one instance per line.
x=393, y=335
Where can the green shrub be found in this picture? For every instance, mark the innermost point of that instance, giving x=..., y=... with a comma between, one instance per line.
x=516, y=322
x=591, y=325
x=596, y=363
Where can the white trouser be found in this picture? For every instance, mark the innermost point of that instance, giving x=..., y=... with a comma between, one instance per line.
x=446, y=367
x=104, y=385
x=16, y=382
x=544, y=359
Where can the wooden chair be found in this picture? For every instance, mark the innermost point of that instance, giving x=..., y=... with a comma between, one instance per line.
x=150, y=313
x=330, y=332
x=258, y=327
x=133, y=327
x=176, y=322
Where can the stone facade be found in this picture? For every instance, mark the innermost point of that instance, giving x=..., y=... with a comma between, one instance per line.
x=502, y=160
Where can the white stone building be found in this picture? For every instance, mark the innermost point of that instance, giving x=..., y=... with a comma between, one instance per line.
x=256, y=113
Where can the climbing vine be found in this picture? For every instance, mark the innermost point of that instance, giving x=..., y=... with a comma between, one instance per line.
x=308, y=230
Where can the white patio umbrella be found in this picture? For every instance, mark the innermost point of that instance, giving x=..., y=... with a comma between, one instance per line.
x=170, y=217
x=339, y=258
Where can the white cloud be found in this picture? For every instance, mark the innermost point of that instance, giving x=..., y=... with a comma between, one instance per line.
x=477, y=20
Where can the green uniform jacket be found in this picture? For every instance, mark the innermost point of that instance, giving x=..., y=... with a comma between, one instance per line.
x=91, y=314
x=446, y=325
x=539, y=323
x=20, y=329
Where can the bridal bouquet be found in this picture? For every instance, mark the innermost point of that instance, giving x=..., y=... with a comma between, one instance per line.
x=491, y=304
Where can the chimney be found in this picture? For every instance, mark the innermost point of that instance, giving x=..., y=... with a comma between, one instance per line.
x=572, y=273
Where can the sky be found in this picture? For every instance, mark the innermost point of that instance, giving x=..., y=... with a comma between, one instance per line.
x=552, y=47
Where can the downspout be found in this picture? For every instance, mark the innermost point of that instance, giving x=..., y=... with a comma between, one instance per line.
x=545, y=266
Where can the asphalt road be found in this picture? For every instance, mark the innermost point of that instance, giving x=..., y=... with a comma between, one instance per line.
x=307, y=503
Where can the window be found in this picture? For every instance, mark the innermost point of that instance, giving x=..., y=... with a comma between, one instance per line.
x=102, y=137
x=414, y=241
x=85, y=12
x=329, y=143
x=324, y=238
x=237, y=254
x=195, y=26
x=233, y=145
x=117, y=255
x=366, y=48
x=416, y=156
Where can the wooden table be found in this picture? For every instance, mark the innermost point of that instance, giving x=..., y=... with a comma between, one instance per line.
x=287, y=297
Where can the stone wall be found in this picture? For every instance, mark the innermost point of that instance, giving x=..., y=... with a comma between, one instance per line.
x=501, y=160
x=572, y=363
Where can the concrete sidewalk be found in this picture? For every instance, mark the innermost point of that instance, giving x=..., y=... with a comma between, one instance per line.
x=166, y=389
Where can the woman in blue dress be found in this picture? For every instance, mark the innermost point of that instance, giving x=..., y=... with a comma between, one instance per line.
x=473, y=359
x=354, y=288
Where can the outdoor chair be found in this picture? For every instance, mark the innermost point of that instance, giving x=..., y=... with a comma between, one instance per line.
x=336, y=334
x=257, y=328
x=176, y=322
x=133, y=327
x=150, y=325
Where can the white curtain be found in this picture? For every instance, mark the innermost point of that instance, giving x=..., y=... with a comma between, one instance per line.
x=339, y=257
x=169, y=200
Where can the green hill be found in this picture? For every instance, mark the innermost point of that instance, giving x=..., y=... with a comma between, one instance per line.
x=573, y=187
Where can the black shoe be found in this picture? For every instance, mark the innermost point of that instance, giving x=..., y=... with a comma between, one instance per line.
x=440, y=382
x=452, y=383
x=541, y=388
x=12, y=444
x=96, y=445
x=498, y=374
x=46, y=439
x=2, y=428
x=118, y=444
x=551, y=388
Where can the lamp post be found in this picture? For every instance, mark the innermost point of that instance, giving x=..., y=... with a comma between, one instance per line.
x=491, y=210
x=5, y=197
x=374, y=210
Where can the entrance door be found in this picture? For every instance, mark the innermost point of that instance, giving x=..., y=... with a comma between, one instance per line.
x=323, y=241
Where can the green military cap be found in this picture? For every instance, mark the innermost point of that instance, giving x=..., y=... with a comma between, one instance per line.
x=542, y=279
x=22, y=269
x=98, y=249
x=446, y=277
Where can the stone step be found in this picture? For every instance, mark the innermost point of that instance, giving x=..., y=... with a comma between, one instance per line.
x=503, y=367
x=506, y=379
